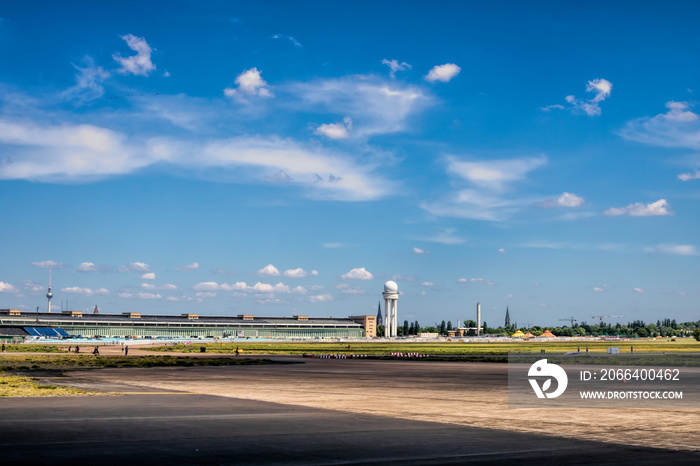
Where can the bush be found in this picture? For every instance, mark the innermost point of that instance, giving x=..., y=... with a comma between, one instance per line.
x=696, y=334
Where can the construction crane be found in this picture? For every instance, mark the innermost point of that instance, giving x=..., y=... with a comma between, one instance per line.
x=601, y=317
x=570, y=319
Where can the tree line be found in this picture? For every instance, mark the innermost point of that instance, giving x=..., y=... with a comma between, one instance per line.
x=634, y=329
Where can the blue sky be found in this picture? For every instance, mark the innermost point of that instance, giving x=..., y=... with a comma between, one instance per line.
x=281, y=158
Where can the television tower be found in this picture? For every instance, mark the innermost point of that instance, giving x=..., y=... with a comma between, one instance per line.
x=49, y=294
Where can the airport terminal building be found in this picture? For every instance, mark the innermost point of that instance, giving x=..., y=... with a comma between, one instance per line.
x=135, y=324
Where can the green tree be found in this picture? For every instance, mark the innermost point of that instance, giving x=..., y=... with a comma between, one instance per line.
x=443, y=328
x=696, y=334
x=405, y=327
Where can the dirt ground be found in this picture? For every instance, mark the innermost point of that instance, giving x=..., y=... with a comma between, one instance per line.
x=471, y=394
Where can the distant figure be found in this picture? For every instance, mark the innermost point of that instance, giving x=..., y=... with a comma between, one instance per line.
x=70, y=348
x=3, y=347
x=96, y=351
x=126, y=351
x=238, y=351
x=77, y=349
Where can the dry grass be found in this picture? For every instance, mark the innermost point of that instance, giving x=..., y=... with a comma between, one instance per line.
x=17, y=386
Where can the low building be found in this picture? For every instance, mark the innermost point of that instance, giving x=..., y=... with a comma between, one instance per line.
x=130, y=324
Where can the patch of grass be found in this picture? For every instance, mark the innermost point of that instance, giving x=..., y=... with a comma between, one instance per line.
x=18, y=386
x=29, y=348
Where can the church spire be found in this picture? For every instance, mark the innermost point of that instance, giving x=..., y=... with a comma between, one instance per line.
x=507, y=317
x=380, y=321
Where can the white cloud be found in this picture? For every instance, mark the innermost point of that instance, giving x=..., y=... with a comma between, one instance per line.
x=135, y=267
x=299, y=290
x=85, y=291
x=269, y=271
x=427, y=284
x=600, y=87
x=420, y=251
x=139, y=64
x=148, y=276
x=87, y=267
x=185, y=268
x=638, y=290
x=148, y=286
x=695, y=175
x=443, y=73
x=295, y=273
x=678, y=249
x=149, y=296
x=238, y=286
x=599, y=289
x=679, y=127
x=82, y=152
x=125, y=295
x=639, y=209
x=47, y=264
x=485, y=281
x=8, y=288
x=250, y=84
x=357, y=274
x=502, y=251
x=493, y=174
x=268, y=288
x=567, y=200
x=395, y=65
x=322, y=298
x=335, y=130
x=206, y=286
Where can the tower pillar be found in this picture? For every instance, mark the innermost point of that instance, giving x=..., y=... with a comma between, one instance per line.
x=391, y=297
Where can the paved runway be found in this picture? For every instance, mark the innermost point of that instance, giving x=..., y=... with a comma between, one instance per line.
x=182, y=429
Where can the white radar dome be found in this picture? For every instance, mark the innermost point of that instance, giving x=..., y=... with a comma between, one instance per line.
x=391, y=286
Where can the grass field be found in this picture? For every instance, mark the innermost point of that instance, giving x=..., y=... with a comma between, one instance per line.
x=442, y=348
x=25, y=362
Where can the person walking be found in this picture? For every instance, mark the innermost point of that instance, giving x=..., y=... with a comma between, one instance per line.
x=126, y=351
x=96, y=351
x=77, y=349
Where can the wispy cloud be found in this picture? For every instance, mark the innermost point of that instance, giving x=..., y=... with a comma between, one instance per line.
x=395, y=65
x=639, y=209
x=89, y=81
x=483, y=188
x=676, y=249
x=375, y=105
x=445, y=236
x=47, y=264
x=679, y=127
x=289, y=38
x=188, y=267
x=694, y=175
x=566, y=200
x=601, y=88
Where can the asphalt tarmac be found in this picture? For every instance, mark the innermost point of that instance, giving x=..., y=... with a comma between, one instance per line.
x=179, y=428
